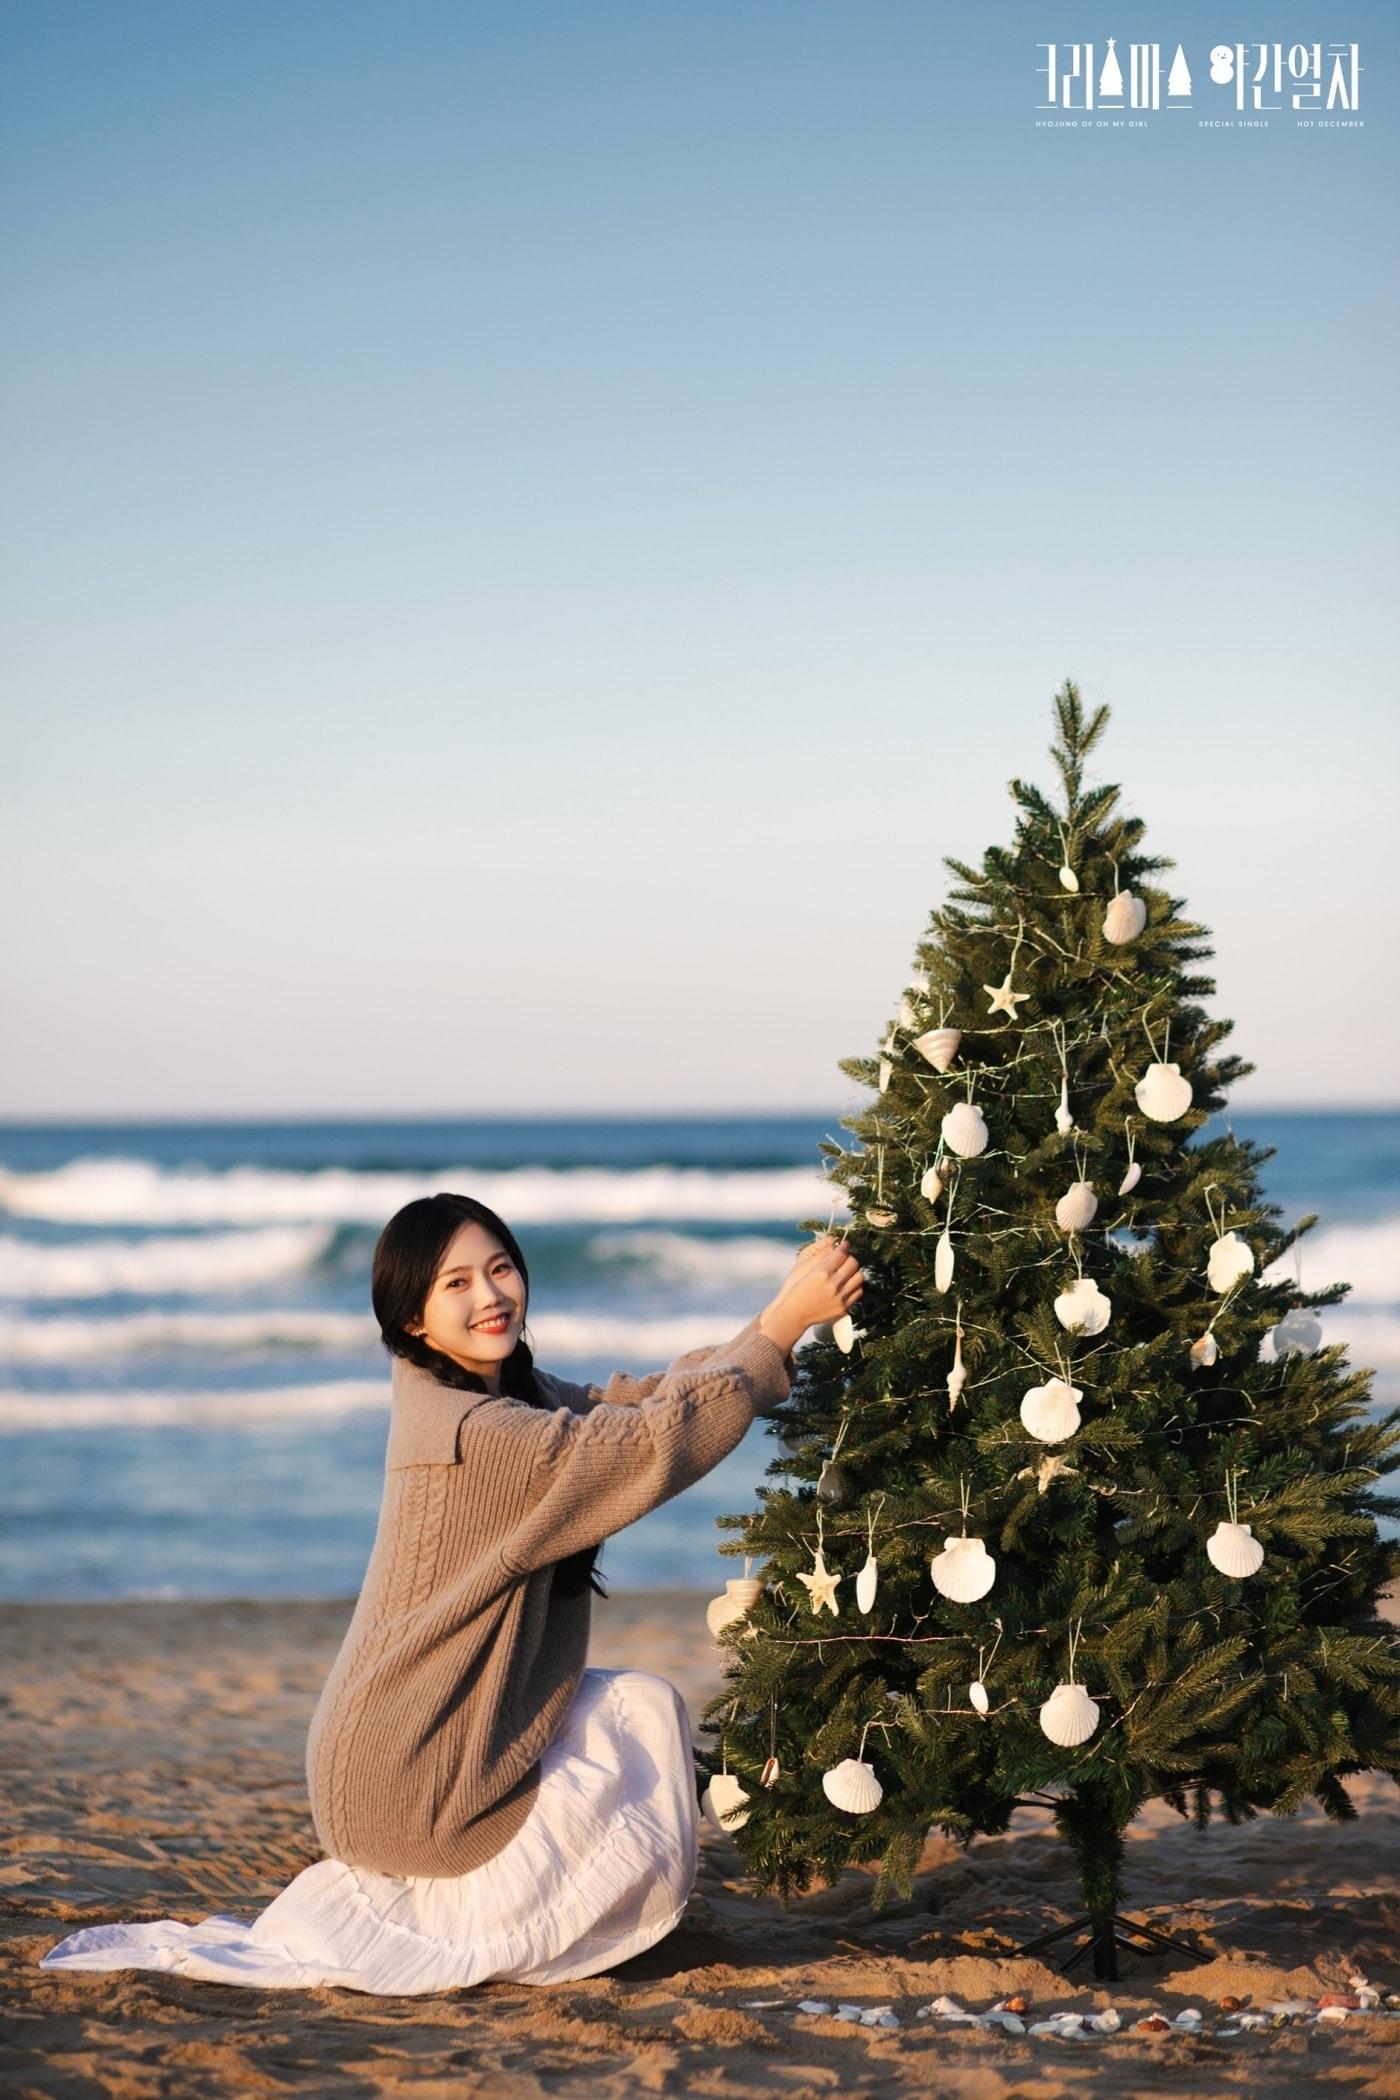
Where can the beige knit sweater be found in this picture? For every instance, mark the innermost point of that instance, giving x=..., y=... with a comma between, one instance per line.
x=460, y=1659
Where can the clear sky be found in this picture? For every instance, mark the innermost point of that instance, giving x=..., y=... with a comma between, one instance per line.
x=531, y=528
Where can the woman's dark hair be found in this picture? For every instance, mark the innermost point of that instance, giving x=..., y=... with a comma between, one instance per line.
x=406, y=1260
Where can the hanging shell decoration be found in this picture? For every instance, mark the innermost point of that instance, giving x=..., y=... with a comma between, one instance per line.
x=1205, y=1351
x=772, y=1772
x=939, y=1046
x=1050, y=1412
x=843, y=1333
x=886, y=1074
x=977, y=1695
x=831, y=1486
x=1069, y=1716
x=1068, y=879
x=957, y=1375
x=931, y=1185
x=723, y=1802
x=881, y=1217
x=1064, y=1114
x=1298, y=1333
x=965, y=1130
x=866, y=1583
x=852, y=1786
x=943, y=1261
x=740, y=1593
x=1083, y=1307
x=1230, y=1260
x=1162, y=1093
x=1076, y=1207
x=1131, y=1178
x=908, y=1014
x=1125, y=918
x=964, y=1570
x=1234, y=1550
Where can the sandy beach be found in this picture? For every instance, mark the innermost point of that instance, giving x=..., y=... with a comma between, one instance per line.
x=152, y=1755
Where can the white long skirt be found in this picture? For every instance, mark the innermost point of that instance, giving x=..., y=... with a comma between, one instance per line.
x=599, y=1870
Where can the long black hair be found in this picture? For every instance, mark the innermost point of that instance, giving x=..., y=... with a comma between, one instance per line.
x=406, y=1260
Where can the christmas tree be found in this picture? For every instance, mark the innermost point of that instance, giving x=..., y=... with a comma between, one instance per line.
x=1080, y=1512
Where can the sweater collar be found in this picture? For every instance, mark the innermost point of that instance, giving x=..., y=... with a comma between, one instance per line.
x=424, y=1417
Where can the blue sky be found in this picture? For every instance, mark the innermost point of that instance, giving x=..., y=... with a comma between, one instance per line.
x=532, y=529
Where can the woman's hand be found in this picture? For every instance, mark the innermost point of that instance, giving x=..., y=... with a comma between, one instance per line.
x=824, y=1282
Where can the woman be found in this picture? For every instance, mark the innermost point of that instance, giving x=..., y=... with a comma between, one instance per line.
x=488, y=1806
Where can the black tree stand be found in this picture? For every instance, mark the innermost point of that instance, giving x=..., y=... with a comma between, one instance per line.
x=1087, y=1821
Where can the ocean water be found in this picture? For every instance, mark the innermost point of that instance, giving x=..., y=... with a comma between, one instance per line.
x=193, y=1396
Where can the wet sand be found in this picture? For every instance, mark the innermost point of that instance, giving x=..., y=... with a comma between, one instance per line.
x=152, y=1767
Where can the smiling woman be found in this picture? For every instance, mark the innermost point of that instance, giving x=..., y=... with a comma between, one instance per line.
x=488, y=1806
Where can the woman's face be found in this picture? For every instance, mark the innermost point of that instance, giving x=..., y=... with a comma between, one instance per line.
x=476, y=1307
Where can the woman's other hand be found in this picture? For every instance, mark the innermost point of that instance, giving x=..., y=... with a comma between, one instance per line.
x=824, y=1282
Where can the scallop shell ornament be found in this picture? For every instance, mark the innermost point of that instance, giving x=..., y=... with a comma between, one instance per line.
x=723, y=1802
x=939, y=1046
x=964, y=1570
x=740, y=1593
x=977, y=1696
x=1069, y=1716
x=957, y=1373
x=867, y=1582
x=1230, y=1259
x=931, y=1186
x=943, y=1261
x=1131, y=1178
x=1298, y=1333
x=852, y=1786
x=965, y=1130
x=1204, y=1351
x=1076, y=1207
x=1234, y=1550
x=1050, y=1412
x=1125, y=918
x=1162, y=1093
x=843, y=1333
x=1083, y=1307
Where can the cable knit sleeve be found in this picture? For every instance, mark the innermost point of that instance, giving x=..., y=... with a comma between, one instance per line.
x=592, y=1474
x=622, y=1390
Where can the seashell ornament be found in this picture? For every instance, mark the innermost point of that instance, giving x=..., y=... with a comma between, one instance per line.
x=772, y=1772
x=1083, y=1307
x=1068, y=879
x=740, y=1593
x=908, y=1015
x=1205, y=1351
x=1234, y=1550
x=843, y=1333
x=1050, y=1412
x=964, y=1570
x=1162, y=1093
x=831, y=1485
x=1076, y=1207
x=1064, y=1114
x=939, y=1046
x=965, y=1130
x=1069, y=1716
x=1125, y=918
x=723, y=1802
x=943, y=1260
x=1131, y=1178
x=977, y=1695
x=1298, y=1333
x=931, y=1186
x=886, y=1074
x=881, y=1217
x=852, y=1786
x=1230, y=1259
x=867, y=1582
x=957, y=1375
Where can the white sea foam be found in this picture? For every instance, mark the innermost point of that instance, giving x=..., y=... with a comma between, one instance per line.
x=557, y=1337
x=134, y=1192
x=28, y=1411
x=224, y=1261
x=677, y=1257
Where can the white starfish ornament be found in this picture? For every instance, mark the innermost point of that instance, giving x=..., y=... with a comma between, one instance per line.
x=1004, y=1000
x=821, y=1586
